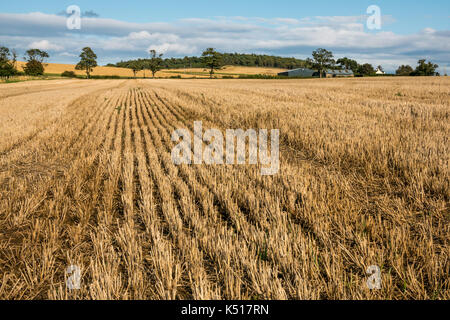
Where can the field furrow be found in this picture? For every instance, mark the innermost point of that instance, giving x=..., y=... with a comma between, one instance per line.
x=87, y=181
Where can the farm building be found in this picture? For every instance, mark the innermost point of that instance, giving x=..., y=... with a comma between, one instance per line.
x=380, y=72
x=338, y=73
x=309, y=73
x=302, y=72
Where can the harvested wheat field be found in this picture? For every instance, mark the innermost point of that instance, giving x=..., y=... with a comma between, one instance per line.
x=87, y=179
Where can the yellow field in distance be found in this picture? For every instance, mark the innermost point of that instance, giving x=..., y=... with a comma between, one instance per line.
x=58, y=68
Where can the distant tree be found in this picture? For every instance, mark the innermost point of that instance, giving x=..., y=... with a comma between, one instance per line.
x=36, y=55
x=35, y=59
x=380, y=68
x=155, y=62
x=14, y=58
x=348, y=64
x=323, y=59
x=135, y=66
x=425, y=69
x=404, y=70
x=212, y=60
x=309, y=63
x=5, y=54
x=144, y=66
x=7, y=69
x=88, y=61
x=34, y=68
x=68, y=74
x=366, y=69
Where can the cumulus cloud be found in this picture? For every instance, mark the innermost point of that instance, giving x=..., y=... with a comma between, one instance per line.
x=45, y=45
x=173, y=48
x=68, y=54
x=143, y=35
x=344, y=35
x=287, y=20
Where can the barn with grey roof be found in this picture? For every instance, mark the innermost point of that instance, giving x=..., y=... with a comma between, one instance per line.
x=309, y=73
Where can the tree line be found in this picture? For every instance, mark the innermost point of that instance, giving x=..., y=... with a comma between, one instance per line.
x=34, y=62
x=235, y=59
x=321, y=60
x=423, y=68
x=35, y=65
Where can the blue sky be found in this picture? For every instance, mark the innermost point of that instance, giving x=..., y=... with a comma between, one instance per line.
x=410, y=15
x=127, y=29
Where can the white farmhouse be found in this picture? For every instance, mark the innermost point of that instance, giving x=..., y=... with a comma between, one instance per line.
x=379, y=71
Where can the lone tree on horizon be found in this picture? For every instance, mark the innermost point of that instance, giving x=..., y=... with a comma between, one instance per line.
x=88, y=61
x=35, y=59
x=323, y=59
x=7, y=68
x=366, y=69
x=404, y=70
x=136, y=67
x=212, y=60
x=425, y=69
x=155, y=63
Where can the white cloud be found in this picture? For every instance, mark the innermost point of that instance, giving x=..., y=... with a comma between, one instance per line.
x=344, y=35
x=287, y=20
x=173, y=48
x=45, y=45
x=142, y=35
x=429, y=31
x=67, y=54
